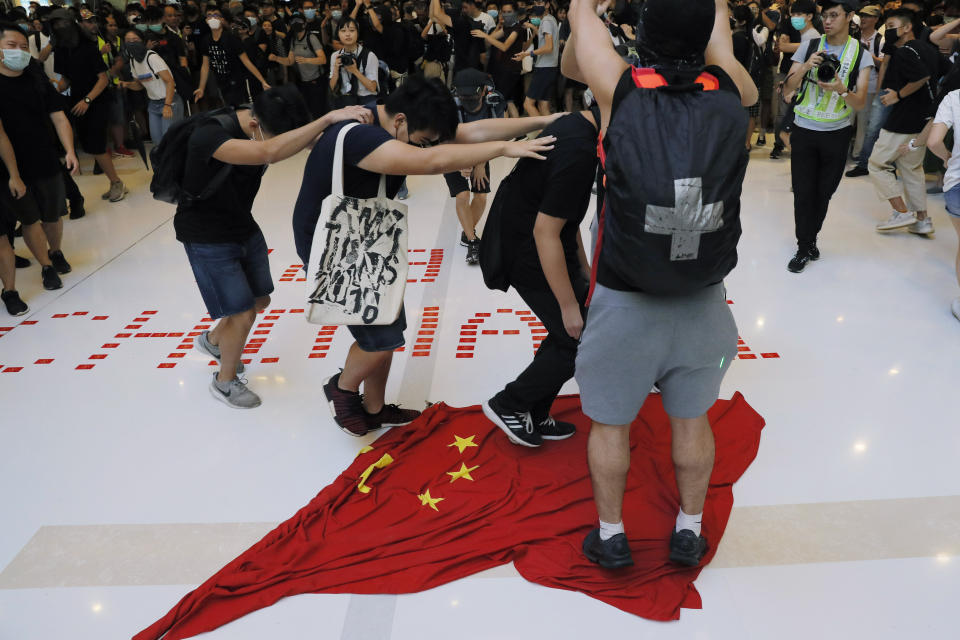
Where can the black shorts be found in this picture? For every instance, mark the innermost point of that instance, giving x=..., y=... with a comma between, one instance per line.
x=510, y=85
x=543, y=85
x=92, y=126
x=45, y=201
x=458, y=184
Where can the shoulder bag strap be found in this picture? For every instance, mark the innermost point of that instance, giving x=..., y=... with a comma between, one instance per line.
x=336, y=179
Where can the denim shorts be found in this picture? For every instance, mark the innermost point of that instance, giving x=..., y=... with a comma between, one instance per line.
x=952, y=198
x=231, y=275
x=386, y=337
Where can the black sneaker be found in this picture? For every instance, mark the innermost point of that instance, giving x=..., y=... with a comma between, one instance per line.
x=346, y=407
x=609, y=554
x=761, y=140
x=463, y=238
x=551, y=429
x=473, y=252
x=76, y=209
x=517, y=425
x=21, y=263
x=59, y=262
x=391, y=416
x=687, y=548
x=799, y=261
x=814, y=253
x=51, y=280
x=775, y=154
x=856, y=172
x=15, y=306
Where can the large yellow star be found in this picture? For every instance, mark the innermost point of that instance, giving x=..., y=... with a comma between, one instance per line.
x=464, y=472
x=426, y=499
x=463, y=443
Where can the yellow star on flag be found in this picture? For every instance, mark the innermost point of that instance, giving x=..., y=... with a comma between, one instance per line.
x=463, y=443
x=464, y=472
x=426, y=499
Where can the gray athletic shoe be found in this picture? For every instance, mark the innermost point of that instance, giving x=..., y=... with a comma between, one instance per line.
x=117, y=191
x=212, y=350
x=234, y=393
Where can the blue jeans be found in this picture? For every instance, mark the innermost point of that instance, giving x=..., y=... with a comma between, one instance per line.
x=952, y=198
x=231, y=275
x=878, y=116
x=160, y=125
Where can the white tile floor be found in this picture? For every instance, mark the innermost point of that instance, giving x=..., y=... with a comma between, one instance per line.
x=857, y=406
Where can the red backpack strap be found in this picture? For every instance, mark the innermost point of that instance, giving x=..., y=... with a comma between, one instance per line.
x=708, y=81
x=646, y=78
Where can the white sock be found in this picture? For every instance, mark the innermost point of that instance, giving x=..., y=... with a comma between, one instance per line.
x=608, y=530
x=691, y=522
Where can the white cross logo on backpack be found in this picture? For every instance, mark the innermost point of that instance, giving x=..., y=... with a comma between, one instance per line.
x=686, y=220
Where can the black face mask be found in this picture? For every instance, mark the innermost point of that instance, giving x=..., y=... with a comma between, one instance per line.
x=537, y=11
x=67, y=35
x=135, y=50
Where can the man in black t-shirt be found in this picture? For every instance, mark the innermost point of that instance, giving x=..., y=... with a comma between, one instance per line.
x=223, y=52
x=541, y=206
x=466, y=48
x=404, y=139
x=78, y=60
x=28, y=107
x=908, y=89
x=226, y=249
x=682, y=338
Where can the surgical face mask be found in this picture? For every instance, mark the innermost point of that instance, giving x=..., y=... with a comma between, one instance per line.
x=309, y=14
x=252, y=21
x=16, y=59
x=509, y=18
x=213, y=23
x=156, y=28
x=24, y=27
x=798, y=23
x=141, y=27
x=493, y=13
x=336, y=14
x=535, y=22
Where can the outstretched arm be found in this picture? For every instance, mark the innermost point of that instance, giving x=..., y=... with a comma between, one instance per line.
x=402, y=159
x=491, y=129
x=720, y=53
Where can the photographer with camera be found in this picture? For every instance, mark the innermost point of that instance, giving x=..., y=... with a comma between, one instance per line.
x=831, y=77
x=354, y=70
x=908, y=91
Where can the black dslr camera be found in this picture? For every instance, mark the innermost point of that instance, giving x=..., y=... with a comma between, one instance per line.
x=347, y=59
x=828, y=68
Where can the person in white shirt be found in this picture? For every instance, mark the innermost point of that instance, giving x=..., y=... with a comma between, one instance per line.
x=948, y=117
x=151, y=74
x=353, y=69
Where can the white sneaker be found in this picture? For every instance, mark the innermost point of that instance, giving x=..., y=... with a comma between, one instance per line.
x=922, y=227
x=897, y=221
x=955, y=307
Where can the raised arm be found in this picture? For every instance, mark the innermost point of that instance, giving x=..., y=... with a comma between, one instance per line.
x=438, y=15
x=943, y=32
x=595, y=58
x=720, y=53
x=402, y=159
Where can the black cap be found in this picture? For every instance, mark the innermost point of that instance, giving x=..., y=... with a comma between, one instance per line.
x=470, y=79
x=62, y=14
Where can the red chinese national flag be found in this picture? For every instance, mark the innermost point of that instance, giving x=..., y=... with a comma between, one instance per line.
x=449, y=496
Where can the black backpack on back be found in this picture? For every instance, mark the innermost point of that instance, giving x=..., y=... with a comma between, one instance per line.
x=671, y=217
x=169, y=158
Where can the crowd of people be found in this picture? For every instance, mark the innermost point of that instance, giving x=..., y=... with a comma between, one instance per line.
x=441, y=89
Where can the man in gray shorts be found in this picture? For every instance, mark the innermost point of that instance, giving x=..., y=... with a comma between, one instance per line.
x=668, y=233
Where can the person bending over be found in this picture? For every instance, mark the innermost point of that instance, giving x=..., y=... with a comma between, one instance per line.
x=403, y=139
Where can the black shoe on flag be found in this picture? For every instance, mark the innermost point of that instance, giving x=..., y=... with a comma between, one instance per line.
x=613, y=553
x=391, y=416
x=551, y=429
x=346, y=407
x=687, y=548
x=518, y=425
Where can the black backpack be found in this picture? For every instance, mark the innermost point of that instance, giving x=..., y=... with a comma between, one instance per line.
x=169, y=158
x=671, y=217
x=439, y=47
x=494, y=264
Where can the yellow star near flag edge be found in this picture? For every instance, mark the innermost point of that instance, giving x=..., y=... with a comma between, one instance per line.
x=427, y=500
x=464, y=472
x=463, y=443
